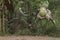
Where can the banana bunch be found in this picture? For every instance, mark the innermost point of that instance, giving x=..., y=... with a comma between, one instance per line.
x=42, y=12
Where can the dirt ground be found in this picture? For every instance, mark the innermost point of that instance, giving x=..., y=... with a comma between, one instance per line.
x=27, y=38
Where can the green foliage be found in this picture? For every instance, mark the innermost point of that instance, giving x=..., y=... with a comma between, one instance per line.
x=20, y=26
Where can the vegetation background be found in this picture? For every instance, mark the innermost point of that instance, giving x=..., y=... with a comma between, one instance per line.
x=20, y=26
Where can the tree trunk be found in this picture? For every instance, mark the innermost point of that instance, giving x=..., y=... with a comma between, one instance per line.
x=2, y=17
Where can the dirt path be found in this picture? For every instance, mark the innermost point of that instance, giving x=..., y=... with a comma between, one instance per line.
x=27, y=38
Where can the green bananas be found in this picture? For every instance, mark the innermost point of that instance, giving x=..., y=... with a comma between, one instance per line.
x=42, y=12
